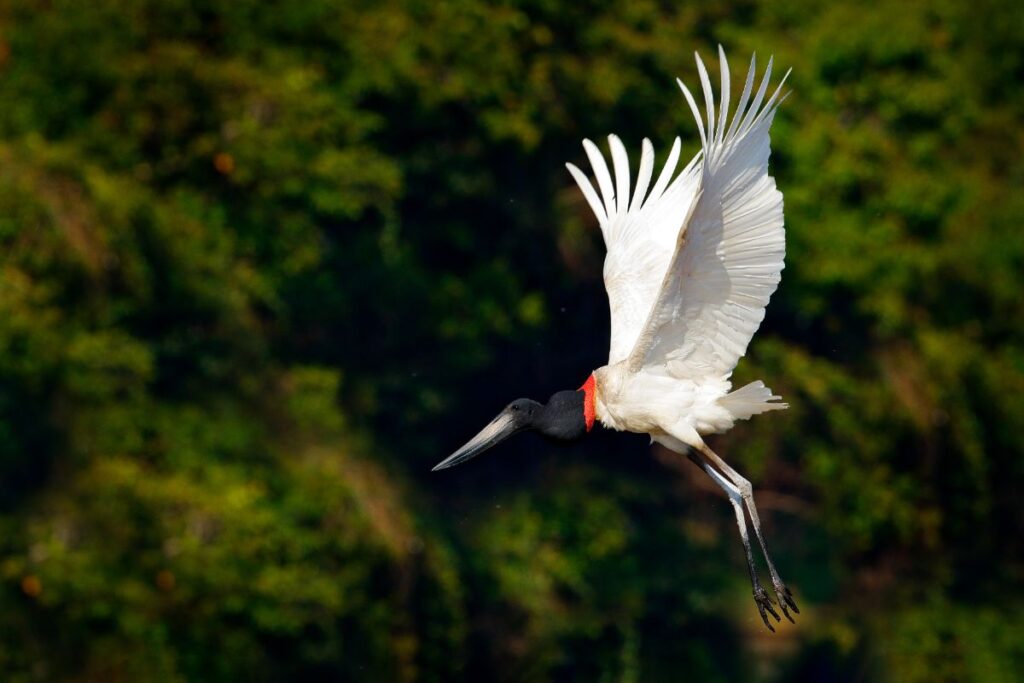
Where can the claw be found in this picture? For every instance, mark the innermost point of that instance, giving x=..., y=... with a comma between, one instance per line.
x=764, y=618
x=792, y=604
x=765, y=607
x=785, y=597
x=783, y=604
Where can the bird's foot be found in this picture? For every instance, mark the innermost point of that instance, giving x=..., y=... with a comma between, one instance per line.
x=766, y=606
x=785, y=598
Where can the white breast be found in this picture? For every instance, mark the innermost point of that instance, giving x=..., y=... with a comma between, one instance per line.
x=649, y=403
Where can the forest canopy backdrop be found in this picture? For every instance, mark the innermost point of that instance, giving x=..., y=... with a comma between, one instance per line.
x=262, y=264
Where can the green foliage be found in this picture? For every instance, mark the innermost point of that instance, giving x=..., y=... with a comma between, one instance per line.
x=262, y=264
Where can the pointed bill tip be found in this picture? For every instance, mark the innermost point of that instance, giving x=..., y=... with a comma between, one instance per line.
x=499, y=429
x=455, y=458
x=450, y=461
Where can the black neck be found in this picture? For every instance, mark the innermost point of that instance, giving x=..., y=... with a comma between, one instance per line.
x=562, y=417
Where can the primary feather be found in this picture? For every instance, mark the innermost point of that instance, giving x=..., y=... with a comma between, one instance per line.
x=640, y=235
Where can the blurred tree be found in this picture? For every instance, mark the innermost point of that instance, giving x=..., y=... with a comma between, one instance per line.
x=262, y=264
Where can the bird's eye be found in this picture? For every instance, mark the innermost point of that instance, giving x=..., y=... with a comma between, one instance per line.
x=515, y=407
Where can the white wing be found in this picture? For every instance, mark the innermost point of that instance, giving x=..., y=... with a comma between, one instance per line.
x=640, y=234
x=729, y=257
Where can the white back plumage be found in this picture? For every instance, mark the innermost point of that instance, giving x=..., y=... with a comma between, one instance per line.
x=691, y=266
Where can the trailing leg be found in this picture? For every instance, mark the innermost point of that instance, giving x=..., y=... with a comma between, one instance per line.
x=764, y=602
x=746, y=492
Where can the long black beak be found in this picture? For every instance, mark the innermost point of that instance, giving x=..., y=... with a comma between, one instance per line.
x=500, y=428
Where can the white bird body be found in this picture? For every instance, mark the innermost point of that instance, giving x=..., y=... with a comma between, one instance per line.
x=689, y=270
x=656, y=404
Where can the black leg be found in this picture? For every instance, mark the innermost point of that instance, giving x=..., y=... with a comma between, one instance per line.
x=746, y=492
x=764, y=602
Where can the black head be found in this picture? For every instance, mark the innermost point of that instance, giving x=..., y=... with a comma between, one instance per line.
x=562, y=419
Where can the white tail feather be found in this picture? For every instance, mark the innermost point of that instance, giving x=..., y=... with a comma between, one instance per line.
x=752, y=399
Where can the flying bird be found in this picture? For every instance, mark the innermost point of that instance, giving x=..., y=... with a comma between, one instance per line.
x=691, y=263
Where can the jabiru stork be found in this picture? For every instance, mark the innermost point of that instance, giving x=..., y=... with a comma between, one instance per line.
x=690, y=267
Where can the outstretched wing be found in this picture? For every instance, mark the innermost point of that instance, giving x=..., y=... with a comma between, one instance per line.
x=639, y=233
x=728, y=258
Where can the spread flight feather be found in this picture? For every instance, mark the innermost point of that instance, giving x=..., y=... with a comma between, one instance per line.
x=691, y=266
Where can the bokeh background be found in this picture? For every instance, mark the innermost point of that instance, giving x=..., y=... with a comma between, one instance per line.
x=263, y=264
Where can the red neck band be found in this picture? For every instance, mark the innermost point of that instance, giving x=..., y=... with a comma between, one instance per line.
x=589, y=390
